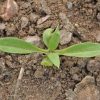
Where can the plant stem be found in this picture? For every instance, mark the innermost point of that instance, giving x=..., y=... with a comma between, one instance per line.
x=18, y=82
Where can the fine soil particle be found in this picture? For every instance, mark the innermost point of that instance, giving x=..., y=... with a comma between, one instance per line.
x=80, y=22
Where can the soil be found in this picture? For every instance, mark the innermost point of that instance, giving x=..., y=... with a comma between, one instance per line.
x=81, y=18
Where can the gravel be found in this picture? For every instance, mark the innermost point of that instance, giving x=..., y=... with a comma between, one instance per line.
x=65, y=37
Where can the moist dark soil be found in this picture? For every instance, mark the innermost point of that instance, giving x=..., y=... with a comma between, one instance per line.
x=38, y=82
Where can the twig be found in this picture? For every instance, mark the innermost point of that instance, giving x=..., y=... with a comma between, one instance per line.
x=18, y=82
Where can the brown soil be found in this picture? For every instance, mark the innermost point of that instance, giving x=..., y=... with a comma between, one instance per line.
x=40, y=83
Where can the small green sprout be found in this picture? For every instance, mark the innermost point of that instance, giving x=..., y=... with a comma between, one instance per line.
x=51, y=39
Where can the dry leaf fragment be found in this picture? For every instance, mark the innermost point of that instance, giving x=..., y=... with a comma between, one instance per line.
x=10, y=9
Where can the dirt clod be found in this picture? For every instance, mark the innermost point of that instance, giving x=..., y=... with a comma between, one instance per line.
x=86, y=89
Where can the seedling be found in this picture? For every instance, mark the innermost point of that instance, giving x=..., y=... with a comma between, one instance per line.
x=51, y=39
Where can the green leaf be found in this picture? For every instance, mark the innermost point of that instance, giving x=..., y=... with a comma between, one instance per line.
x=46, y=62
x=15, y=45
x=87, y=49
x=46, y=36
x=54, y=39
x=54, y=58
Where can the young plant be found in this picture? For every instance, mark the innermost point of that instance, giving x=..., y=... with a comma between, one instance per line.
x=51, y=39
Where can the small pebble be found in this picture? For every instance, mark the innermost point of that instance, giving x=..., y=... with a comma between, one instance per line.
x=24, y=22
x=10, y=8
x=33, y=39
x=31, y=31
x=27, y=72
x=97, y=35
x=45, y=7
x=76, y=77
x=98, y=80
x=69, y=5
x=25, y=5
x=2, y=26
x=39, y=72
x=33, y=17
x=65, y=37
x=98, y=6
x=6, y=76
x=74, y=70
x=43, y=19
x=88, y=1
x=70, y=95
x=98, y=16
x=93, y=66
x=66, y=22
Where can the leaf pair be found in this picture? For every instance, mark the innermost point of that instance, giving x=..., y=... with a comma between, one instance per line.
x=50, y=59
x=51, y=38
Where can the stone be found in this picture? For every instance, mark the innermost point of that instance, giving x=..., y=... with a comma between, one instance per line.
x=93, y=66
x=98, y=16
x=33, y=39
x=43, y=19
x=69, y=5
x=2, y=26
x=24, y=22
x=98, y=81
x=2, y=65
x=82, y=63
x=74, y=70
x=65, y=37
x=31, y=31
x=25, y=5
x=10, y=10
x=45, y=7
x=87, y=90
x=63, y=75
x=76, y=77
x=88, y=1
x=98, y=5
x=33, y=17
x=27, y=72
x=97, y=35
x=10, y=30
x=70, y=95
x=66, y=22
x=6, y=76
x=39, y=72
